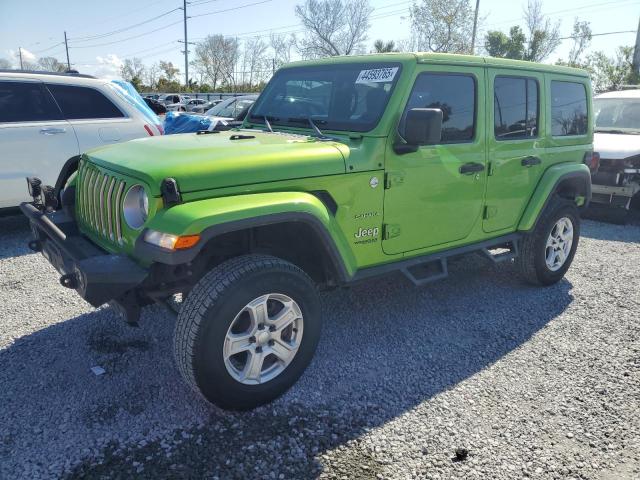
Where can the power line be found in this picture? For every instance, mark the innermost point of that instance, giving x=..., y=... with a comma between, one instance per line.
x=129, y=38
x=230, y=9
x=123, y=29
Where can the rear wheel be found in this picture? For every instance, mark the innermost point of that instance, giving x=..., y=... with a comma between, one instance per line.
x=547, y=252
x=247, y=331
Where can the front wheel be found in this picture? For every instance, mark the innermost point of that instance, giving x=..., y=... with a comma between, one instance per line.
x=548, y=250
x=247, y=331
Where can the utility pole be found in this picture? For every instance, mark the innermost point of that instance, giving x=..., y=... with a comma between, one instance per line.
x=635, y=66
x=475, y=28
x=186, y=48
x=66, y=46
x=20, y=53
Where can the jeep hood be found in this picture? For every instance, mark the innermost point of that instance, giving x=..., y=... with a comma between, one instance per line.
x=204, y=162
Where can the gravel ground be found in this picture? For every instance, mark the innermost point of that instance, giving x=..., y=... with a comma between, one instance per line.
x=539, y=383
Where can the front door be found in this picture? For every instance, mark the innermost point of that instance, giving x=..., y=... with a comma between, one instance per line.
x=434, y=196
x=516, y=148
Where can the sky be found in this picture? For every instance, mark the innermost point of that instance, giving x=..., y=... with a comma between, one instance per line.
x=98, y=47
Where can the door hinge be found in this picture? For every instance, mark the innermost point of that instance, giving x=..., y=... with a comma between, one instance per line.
x=393, y=179
x=489, y=212
x=390, y=230
x=490, y=169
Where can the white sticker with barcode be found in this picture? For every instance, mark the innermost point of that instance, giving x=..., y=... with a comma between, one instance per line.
x=377, y=75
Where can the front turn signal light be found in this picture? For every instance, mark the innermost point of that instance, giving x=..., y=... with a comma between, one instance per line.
x=170, y=241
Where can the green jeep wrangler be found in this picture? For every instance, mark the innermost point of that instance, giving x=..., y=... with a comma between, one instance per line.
x=345, y=168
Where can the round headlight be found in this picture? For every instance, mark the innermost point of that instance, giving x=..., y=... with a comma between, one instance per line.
x=136, y=207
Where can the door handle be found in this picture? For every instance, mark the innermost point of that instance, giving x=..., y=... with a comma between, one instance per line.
x=52, y=131
x=530, y=161
x=471, y=168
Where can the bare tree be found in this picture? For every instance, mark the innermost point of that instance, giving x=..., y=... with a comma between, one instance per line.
x=543, y=36
x=132, y=70
x=152, y=74
x=168, y=70
x=281, y=46
x=254, y=60
x=216, y=58
x=442, y=25
x=5, y=64
x=51, y=64
x=333, y=27
x=581, y=40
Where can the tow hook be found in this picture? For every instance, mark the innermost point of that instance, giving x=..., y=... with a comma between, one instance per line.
x=70, y=280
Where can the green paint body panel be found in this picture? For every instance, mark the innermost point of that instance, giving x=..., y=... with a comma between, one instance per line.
x=427, y=205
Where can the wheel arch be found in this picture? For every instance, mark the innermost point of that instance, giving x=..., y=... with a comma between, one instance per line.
x=70, y=166
x=298, y=228
x=571, y=181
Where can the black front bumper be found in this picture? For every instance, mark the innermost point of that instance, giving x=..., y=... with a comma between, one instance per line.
x=95, y=274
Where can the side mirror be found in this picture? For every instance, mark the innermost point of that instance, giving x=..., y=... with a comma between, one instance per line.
x=422, y=126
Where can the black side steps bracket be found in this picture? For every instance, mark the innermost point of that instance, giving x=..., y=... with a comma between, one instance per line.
x=427, y=272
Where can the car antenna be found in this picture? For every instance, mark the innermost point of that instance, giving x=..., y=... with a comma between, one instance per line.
x=268, y=124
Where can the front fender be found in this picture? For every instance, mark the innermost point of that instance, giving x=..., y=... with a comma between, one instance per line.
x=551, y=179
x=216, y=216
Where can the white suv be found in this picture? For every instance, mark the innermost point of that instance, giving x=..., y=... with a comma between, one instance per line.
x=47, y=120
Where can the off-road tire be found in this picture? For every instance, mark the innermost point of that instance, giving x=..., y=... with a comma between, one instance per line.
x=531, y=260
x=211, y=307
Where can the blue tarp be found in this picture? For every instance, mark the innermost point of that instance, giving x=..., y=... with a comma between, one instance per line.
x=177, y=122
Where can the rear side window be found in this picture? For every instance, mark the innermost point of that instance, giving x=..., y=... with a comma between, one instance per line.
x=455, y=95
x=568, y=109
x=26, y=102
x=83, y=103
x=515, y=107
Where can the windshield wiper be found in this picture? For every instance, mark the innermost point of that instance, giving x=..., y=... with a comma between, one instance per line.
x=268, y=124
x=313, y=124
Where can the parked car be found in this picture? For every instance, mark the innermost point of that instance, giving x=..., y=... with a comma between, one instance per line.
x=617, y=139
x=186, y=105
x=48, y=119
x=231, y=109
x=345, y=169
x=173, y=98
x=206, y=106
x=157, y=107
x=153, y=96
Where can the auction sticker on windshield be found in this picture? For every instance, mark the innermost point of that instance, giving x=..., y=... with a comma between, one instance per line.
x=377, y=75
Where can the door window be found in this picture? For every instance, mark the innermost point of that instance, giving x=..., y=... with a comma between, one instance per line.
x=455, y=95
x=515, y=107
x=26, y=102
x=568, y=109
x=83, y=103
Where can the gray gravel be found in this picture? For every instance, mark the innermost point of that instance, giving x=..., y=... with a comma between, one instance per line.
x=539, y=383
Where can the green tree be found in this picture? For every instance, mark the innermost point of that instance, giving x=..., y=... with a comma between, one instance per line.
x=498, y=44
x=379, y=46
x=609, y=73
x=536, y=42
x=441, y=26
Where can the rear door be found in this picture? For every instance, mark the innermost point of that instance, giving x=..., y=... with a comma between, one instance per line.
x=434, y=195
x=96, y=119
x=35, y=139
x=516, y=144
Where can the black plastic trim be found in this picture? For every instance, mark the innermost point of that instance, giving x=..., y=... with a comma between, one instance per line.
x=153, y=253
x=567, y=176
x=68, y=168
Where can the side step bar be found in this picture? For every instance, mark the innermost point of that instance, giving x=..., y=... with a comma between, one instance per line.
x=428, y=268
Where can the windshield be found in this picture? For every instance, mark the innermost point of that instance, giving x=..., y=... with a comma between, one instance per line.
x=619, y=114
x=220, y=109
x=349, y=97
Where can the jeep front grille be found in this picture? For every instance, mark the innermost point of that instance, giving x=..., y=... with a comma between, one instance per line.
x=99, y=201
